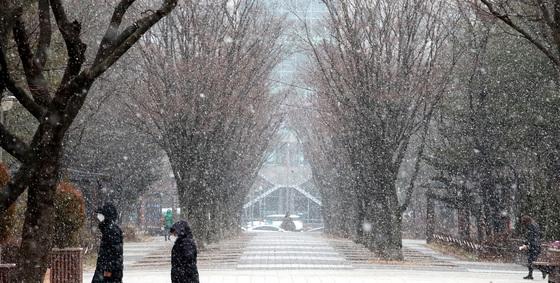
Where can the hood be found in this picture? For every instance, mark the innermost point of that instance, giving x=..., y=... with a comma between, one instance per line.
x=110, y=212
x=182, y=229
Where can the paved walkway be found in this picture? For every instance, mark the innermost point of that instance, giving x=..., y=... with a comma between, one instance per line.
x=310, y=258
x=420, y=246
x=135, y=252
x=414, y=257
x=328, y=276
x=223, y=255
x=291, y=251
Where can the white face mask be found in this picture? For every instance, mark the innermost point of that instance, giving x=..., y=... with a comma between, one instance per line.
x=100, y=217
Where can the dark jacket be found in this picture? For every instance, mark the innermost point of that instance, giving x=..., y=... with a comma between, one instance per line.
x=533, y=240
x=183, y=255
x=288, y=224
x=110, y=255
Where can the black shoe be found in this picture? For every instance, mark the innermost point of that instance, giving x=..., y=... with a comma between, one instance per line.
x=528, y=277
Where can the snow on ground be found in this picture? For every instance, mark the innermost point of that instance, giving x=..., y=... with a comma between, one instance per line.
x=312, y=258
x=339, y=276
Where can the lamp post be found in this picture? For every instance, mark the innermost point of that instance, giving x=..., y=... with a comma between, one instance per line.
x=6, y=104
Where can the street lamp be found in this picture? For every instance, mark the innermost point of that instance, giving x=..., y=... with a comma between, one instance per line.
x=6, y=104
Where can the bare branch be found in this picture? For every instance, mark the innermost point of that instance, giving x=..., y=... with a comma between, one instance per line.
x=37, y=83
x=15, y=188
x=13, y=145
x=111, y=34
x=45, y=34
x=525, y=33
x=76, y=48
x=19, y=92
x=128, y=38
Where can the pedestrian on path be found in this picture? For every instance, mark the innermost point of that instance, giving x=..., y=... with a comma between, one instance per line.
x=532, y=244
x=183, y=254
x=288, y=224
x=110, y=256
x=168, y=223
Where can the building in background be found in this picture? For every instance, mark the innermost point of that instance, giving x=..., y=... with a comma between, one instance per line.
x=284, y=184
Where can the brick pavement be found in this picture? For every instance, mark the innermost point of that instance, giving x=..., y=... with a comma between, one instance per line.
x=291, y=251
x=310, y=258
x=327, y=276
x=223, y=255
x=282, y=251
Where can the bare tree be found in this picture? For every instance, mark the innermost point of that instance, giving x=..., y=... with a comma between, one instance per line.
x=479, y=151
x=206, y=100
x=380, y=73
x=538, y=21
x=55, y=105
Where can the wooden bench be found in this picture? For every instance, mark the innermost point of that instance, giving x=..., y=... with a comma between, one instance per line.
x=549, y=261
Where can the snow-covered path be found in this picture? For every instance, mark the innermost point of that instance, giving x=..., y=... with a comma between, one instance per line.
x=291, y=251
x=330, y=276
x=312, y=258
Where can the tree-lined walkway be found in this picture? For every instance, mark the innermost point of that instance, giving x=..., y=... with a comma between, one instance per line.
x=311, y=257
x=281, y=251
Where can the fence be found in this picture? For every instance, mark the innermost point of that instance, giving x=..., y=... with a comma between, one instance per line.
x=506, y=250
x=454, y=241
x=65, y=267
x=5, y=271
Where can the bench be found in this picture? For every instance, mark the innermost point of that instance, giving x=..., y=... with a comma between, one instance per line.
x=549, y=261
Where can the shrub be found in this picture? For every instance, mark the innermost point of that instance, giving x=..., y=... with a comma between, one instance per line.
x=69, y=215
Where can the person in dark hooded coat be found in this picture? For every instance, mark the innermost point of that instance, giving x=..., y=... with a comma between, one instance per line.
x=183, y=254
x=110, y=256
x=532, y=243
x=288, y=224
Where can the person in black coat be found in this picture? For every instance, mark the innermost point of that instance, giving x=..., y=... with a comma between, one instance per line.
x=110, y=257
x=288, y=224
x=183, y=254
x=532, y=243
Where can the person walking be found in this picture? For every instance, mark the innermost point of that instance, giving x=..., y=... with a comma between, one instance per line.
x=110, y=256
x=183, y=254
x=168, y=223
x=532, y=244
x=288, y=224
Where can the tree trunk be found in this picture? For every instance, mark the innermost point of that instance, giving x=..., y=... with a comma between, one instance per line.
x=463, y=221
x=192, y=210
x=360, y=218
x=35, y=247
x=393, y=248
x=430, y=218
x=384, y=212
